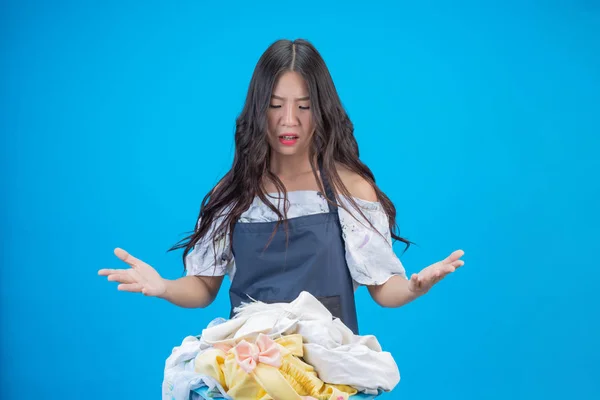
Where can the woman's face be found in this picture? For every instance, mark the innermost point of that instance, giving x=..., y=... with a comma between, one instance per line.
x=290, y=120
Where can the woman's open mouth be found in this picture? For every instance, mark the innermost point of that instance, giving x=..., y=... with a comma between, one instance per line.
x=288, y=140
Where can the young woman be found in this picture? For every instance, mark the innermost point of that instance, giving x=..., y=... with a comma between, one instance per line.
x=298, y=211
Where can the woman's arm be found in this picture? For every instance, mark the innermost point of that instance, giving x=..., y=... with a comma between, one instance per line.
x=192, y=291
x=395, y=292
x=398, y=290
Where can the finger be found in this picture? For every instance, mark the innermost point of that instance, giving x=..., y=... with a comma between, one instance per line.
x=454, y=256
x=107, y=271
x=126, y=257
x=130, y=287
x=449, y=268
x=121, y=278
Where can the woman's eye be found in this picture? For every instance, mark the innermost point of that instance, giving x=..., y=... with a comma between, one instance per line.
x=279, y=106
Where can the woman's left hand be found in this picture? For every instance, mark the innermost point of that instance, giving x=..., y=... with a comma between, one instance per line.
x=423, y=281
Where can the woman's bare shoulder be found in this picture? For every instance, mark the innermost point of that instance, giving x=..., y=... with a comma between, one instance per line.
x=358, y=186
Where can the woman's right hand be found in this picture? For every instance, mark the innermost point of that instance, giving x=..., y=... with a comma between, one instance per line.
x=140, y=278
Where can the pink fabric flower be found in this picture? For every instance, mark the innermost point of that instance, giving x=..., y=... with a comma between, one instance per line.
x=264, y=351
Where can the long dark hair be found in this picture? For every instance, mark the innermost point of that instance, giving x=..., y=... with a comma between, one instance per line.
x=333, y=142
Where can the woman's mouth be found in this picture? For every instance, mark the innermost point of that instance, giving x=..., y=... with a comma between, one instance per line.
x=288, y=140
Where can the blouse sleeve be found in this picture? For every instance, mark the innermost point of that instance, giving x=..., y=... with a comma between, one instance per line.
x=210, y=257
x=369, y=253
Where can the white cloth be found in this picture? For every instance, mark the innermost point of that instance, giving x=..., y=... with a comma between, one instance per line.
x=179, y=375
x=338, y=356
x=369, y=253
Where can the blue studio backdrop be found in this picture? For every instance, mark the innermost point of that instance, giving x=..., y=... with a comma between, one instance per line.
x=480, y=121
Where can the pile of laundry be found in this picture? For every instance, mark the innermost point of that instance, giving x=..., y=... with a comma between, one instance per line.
x=280, y=351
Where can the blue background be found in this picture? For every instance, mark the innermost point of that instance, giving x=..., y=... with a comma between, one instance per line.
x=480, y=122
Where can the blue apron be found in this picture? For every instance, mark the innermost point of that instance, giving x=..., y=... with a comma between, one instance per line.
x=312, y=260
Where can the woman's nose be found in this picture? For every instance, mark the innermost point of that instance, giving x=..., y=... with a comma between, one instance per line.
x=290, y=118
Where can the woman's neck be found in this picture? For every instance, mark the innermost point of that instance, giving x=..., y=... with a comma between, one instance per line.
x=290, y=166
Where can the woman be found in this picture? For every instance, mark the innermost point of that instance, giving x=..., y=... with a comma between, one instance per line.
x=298, y=211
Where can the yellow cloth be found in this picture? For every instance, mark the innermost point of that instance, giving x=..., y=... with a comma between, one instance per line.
x=293, y=379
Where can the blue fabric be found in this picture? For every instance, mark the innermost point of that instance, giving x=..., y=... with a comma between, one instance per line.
x=271, y=267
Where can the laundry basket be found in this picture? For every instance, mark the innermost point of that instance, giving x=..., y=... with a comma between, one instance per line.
x=203, y=393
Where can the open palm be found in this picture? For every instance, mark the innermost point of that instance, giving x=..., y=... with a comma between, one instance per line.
x=141, y=277
x=429, y=276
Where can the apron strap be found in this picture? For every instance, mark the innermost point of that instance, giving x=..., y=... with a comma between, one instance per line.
x=328, y=190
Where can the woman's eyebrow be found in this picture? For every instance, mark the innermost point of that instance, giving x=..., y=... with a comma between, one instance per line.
x=297, y=99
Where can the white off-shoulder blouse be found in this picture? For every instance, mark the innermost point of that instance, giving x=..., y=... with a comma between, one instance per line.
x=369, y=254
